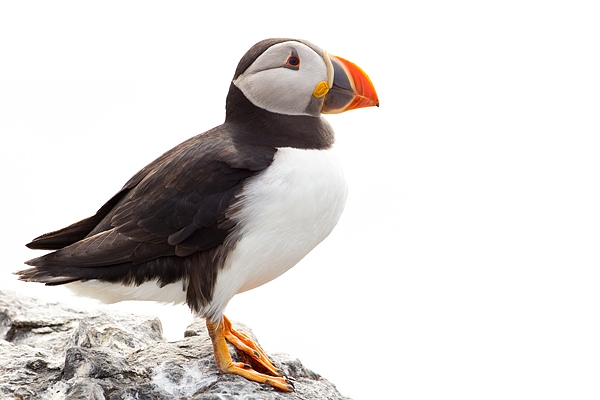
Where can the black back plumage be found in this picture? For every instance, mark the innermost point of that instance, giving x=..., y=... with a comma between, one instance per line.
x=169, y=222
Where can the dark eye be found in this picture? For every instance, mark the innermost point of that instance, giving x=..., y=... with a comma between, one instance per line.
x=293, y=61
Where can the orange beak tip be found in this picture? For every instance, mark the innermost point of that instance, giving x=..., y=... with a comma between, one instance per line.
x=352, y=83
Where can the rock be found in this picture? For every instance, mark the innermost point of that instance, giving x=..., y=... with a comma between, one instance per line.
x=54, y=351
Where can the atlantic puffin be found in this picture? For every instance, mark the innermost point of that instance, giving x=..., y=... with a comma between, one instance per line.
x=227, y=210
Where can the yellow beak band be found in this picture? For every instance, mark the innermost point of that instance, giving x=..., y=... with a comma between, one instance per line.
x=321, y=89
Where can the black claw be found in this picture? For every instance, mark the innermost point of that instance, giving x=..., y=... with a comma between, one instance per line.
x=256, y=354
x=247, y=366
x=290, y=381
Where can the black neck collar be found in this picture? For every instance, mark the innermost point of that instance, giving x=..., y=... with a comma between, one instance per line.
x=262, y=127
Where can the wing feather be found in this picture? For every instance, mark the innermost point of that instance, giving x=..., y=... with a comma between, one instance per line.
x=173, y=207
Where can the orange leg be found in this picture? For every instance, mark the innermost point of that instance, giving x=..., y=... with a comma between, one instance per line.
x=220, y=332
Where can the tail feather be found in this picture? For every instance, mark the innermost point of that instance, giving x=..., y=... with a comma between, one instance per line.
x=198, y=272
x=51, y=277
x=164, y=269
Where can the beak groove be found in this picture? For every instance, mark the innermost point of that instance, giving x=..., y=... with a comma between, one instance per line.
x=350, y=87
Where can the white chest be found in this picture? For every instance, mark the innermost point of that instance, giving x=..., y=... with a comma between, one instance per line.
x=285, y=212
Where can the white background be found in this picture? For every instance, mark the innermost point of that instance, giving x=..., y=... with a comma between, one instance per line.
x=466, y=264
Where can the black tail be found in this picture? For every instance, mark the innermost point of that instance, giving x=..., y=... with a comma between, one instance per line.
x=46, y=276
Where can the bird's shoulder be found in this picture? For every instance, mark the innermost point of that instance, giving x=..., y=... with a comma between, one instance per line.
x=188, y=188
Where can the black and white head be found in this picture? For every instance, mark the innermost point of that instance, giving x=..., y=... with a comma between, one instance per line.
x=294, y=77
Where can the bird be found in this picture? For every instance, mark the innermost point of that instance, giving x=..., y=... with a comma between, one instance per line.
x=225, y=211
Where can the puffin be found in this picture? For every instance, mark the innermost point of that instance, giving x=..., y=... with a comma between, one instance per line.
x=225, y=211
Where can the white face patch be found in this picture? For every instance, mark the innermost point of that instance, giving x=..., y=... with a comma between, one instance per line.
x=270, y=85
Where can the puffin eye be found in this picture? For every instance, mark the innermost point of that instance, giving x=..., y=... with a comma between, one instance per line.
x=293, y=61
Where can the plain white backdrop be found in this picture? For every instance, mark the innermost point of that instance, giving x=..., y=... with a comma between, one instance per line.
x=466, y=264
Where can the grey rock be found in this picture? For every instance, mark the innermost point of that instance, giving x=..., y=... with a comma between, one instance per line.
x=54, y=351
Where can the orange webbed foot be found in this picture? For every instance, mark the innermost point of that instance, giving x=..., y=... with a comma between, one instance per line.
x=221, y=333
x=246, y=345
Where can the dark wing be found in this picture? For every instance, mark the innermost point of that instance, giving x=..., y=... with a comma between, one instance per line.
x=173, y=207
x=77, y=231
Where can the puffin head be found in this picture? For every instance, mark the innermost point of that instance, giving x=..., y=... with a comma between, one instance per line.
x=295, y=77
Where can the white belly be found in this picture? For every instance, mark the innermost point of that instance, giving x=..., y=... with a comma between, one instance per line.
x=286, y=211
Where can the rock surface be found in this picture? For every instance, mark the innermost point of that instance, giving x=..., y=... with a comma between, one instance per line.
x=54, y=351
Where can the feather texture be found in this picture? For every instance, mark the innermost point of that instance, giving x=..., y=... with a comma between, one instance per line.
x=174, y=223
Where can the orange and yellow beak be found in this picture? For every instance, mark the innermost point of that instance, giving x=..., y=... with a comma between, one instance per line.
x=349, y=87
